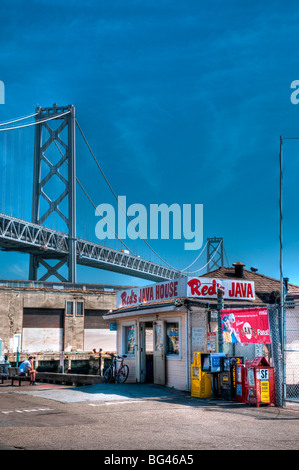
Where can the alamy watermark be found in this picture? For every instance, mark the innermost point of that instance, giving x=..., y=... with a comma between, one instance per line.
x=293, y=97
x=160, y=222
x=2, y=93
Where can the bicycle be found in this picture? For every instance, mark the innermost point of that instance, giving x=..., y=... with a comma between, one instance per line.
x=113, y=373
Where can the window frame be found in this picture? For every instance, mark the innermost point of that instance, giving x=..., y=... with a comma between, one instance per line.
x=124, y=339
x=67, y=303
x=82, y=312
x=177, y=320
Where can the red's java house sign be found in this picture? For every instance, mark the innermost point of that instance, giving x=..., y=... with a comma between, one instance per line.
x=186, y=287
x=154, y=292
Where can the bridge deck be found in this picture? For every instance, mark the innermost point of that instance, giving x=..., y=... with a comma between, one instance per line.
x=22, y=236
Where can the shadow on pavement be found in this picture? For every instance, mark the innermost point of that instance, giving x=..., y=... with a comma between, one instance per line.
x=125, y=392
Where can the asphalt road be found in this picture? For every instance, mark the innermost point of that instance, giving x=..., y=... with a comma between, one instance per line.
x=133, y=417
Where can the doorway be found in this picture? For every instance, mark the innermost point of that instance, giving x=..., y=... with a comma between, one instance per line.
x=152, y=352
x=146, y=352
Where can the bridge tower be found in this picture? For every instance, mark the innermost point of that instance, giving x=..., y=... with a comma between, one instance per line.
x=215, y=253
x=47, y=135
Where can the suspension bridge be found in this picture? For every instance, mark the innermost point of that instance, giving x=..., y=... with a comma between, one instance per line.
x=52, y=249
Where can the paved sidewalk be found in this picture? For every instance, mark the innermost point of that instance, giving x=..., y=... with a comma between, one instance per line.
x=118, y=392
x=137, y=417
x=103, y=392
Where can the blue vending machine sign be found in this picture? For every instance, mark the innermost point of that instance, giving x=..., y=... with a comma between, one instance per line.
x=216, y=361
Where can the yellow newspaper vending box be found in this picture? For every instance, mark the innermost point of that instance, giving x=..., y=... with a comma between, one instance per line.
x=200, y=381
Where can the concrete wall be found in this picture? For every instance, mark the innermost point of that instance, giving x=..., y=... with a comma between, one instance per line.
x=11, y=317
x=14, y=300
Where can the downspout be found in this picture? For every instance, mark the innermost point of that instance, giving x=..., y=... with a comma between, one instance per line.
x=188, y=348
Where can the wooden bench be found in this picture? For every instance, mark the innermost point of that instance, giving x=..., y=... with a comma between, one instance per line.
x=14, y=374
x=3, y=373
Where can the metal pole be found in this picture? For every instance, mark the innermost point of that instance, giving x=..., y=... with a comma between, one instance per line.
x=219, y=308
x=18, y=357
x=281, y=272
x=280, y=230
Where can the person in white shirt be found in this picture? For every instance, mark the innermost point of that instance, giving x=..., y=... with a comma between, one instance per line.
x=27, y=368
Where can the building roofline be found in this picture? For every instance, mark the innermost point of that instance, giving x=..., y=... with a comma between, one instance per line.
x=232, y=269
x=53, y=286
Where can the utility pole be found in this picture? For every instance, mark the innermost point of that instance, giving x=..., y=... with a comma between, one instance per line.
x=282, y=365
x=280, y=240
x=219, y=308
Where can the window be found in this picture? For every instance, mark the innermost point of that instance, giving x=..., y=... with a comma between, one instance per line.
x=158, y=335
x=69, y=308
x=129, y=339
x=79, y=309
x=172, y=338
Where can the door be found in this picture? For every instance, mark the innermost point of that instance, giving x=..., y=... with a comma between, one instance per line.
x=137, y=351
x=142, y=353
x=16, y=343
x=159, y=353
x=42, y=329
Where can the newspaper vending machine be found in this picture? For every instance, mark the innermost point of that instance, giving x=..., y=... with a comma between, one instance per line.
x=261, y=385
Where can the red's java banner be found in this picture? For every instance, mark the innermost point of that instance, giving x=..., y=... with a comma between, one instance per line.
x=245, y=325
x=203, y=287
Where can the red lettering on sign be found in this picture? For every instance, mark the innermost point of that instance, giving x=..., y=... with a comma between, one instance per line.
x=249, y=291
x=241, y=290
x=197, y=288
x=146, y=294
x=128, y=299
x=166, y=291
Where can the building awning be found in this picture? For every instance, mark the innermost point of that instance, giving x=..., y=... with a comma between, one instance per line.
x=148, y=309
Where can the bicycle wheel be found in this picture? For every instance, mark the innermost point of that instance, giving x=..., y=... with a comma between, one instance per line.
x=108, y=375
x=122, y=374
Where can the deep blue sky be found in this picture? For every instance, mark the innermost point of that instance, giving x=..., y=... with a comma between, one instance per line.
x=182, y=102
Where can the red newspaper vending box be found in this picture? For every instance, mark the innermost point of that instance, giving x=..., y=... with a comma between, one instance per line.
x=261, y=385
x=240, y=382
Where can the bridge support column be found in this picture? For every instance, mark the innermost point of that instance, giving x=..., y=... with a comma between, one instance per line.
x=55, y=158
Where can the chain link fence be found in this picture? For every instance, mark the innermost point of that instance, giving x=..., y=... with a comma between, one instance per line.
x=285, y=351
x=291, y=352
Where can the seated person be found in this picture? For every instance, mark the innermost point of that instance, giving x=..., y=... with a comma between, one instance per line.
x=6, y=365
x=27, y=368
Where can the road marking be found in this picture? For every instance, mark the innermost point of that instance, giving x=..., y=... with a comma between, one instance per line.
x=27, y=411
x=127, y=402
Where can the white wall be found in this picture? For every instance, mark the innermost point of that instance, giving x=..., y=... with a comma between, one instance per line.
x=42, y=339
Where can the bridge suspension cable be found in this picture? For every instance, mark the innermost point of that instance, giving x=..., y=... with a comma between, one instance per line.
x=17, y=119
x=114, y=194
x=90, y=200
x=196, y=258
x=194, y=272
x=35, y=122
x=182, y=271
